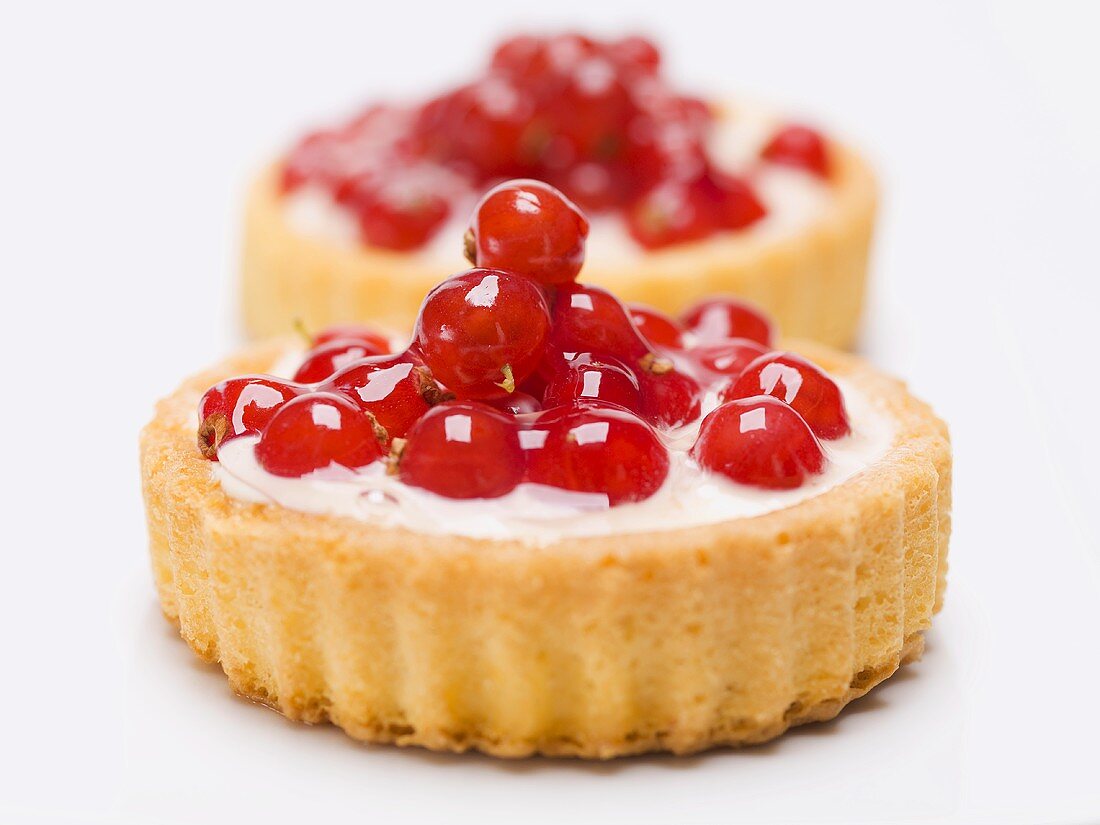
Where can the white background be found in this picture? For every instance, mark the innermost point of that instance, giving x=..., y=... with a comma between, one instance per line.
x=127, y=133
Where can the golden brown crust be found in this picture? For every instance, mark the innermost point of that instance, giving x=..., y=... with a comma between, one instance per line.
x=811, y=283
x=596, y=647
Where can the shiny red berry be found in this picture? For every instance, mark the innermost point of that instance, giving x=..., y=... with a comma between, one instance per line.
x=367, y=336
x=717, y=319
x=401, y=213
x=518, y=403
x=463, y=449
x=315, y=432
x=798, y=383
x=590, y=378
x=656, y=327
x=670, y=398
x=636, y=53
x=531, y=228
x=327, y=359
x=594, y=449
x=591, y=319
x=395, y=389
x=240, y=406
x=726, y=358
x=799, y=146
x=482, y=332
x=759, y=441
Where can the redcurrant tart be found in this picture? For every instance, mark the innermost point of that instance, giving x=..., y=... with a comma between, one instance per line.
x=240, y=406
x=392, y=388
x=799, y=146
x=717, y=319
x=316, y=431
x=528, y=227
x=482, y=332
x=463, y=449
x=589, y=448
x=759, y=441
x=796, y=382
x=325, y=360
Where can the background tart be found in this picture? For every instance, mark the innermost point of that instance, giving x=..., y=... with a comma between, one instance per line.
x=596, y=647
x=810, y=280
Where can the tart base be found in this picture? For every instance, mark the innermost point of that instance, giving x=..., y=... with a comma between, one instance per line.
x=811, y=282
x=676, y=641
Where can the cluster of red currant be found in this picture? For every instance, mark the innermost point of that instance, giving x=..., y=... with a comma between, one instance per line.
x=517, y=373
x=593, y=118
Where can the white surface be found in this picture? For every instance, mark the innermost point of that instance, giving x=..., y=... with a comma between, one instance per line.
x=128, y=135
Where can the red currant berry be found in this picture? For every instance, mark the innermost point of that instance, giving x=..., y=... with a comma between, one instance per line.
x=590, y=319
x=393, y=388
x=354, y=332
x=593, y=449
x=518, y=403
x=727, y=358
x=636, y=53
x=717, y=319
x=734, y=203
x=759, y=441
x=656, y=327
x=463, y=449
x=240, y=406
x=799, y=146
x=528, y=227
x=482, y=332
x=594, y=379
x=670, y=399
x=400, y=213
x=669, y=213
x=798, y=383
x=316, y=431
x=325, y=360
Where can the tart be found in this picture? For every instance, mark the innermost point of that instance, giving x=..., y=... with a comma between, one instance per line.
x=544, y=526
x=687, y=198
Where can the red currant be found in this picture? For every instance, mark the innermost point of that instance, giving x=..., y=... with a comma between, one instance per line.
x=518, y=403
x=325, y=360
x=726, y=358
x=240, y=406
x=400, y=213
x=636, y=53
x=799, y=146
x=717, y=319
x=590, y=319
x=463, y=449
x=528, y=227
x=656, y=327
x=759, y=441
x=482, y=332
x=670, y=399
x=798, y=383
x=393, y=388
x=316, y=431
x=594, y=379
x=354, y=332
x=595, y=449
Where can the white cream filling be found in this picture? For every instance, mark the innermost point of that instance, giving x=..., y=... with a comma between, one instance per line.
x=540, y=515
x=793, y=199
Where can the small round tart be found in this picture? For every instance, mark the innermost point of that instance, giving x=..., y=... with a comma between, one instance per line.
x=675, y=639
x=356, y=223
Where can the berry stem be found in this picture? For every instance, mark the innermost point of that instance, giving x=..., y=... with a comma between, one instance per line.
x=509, y=382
